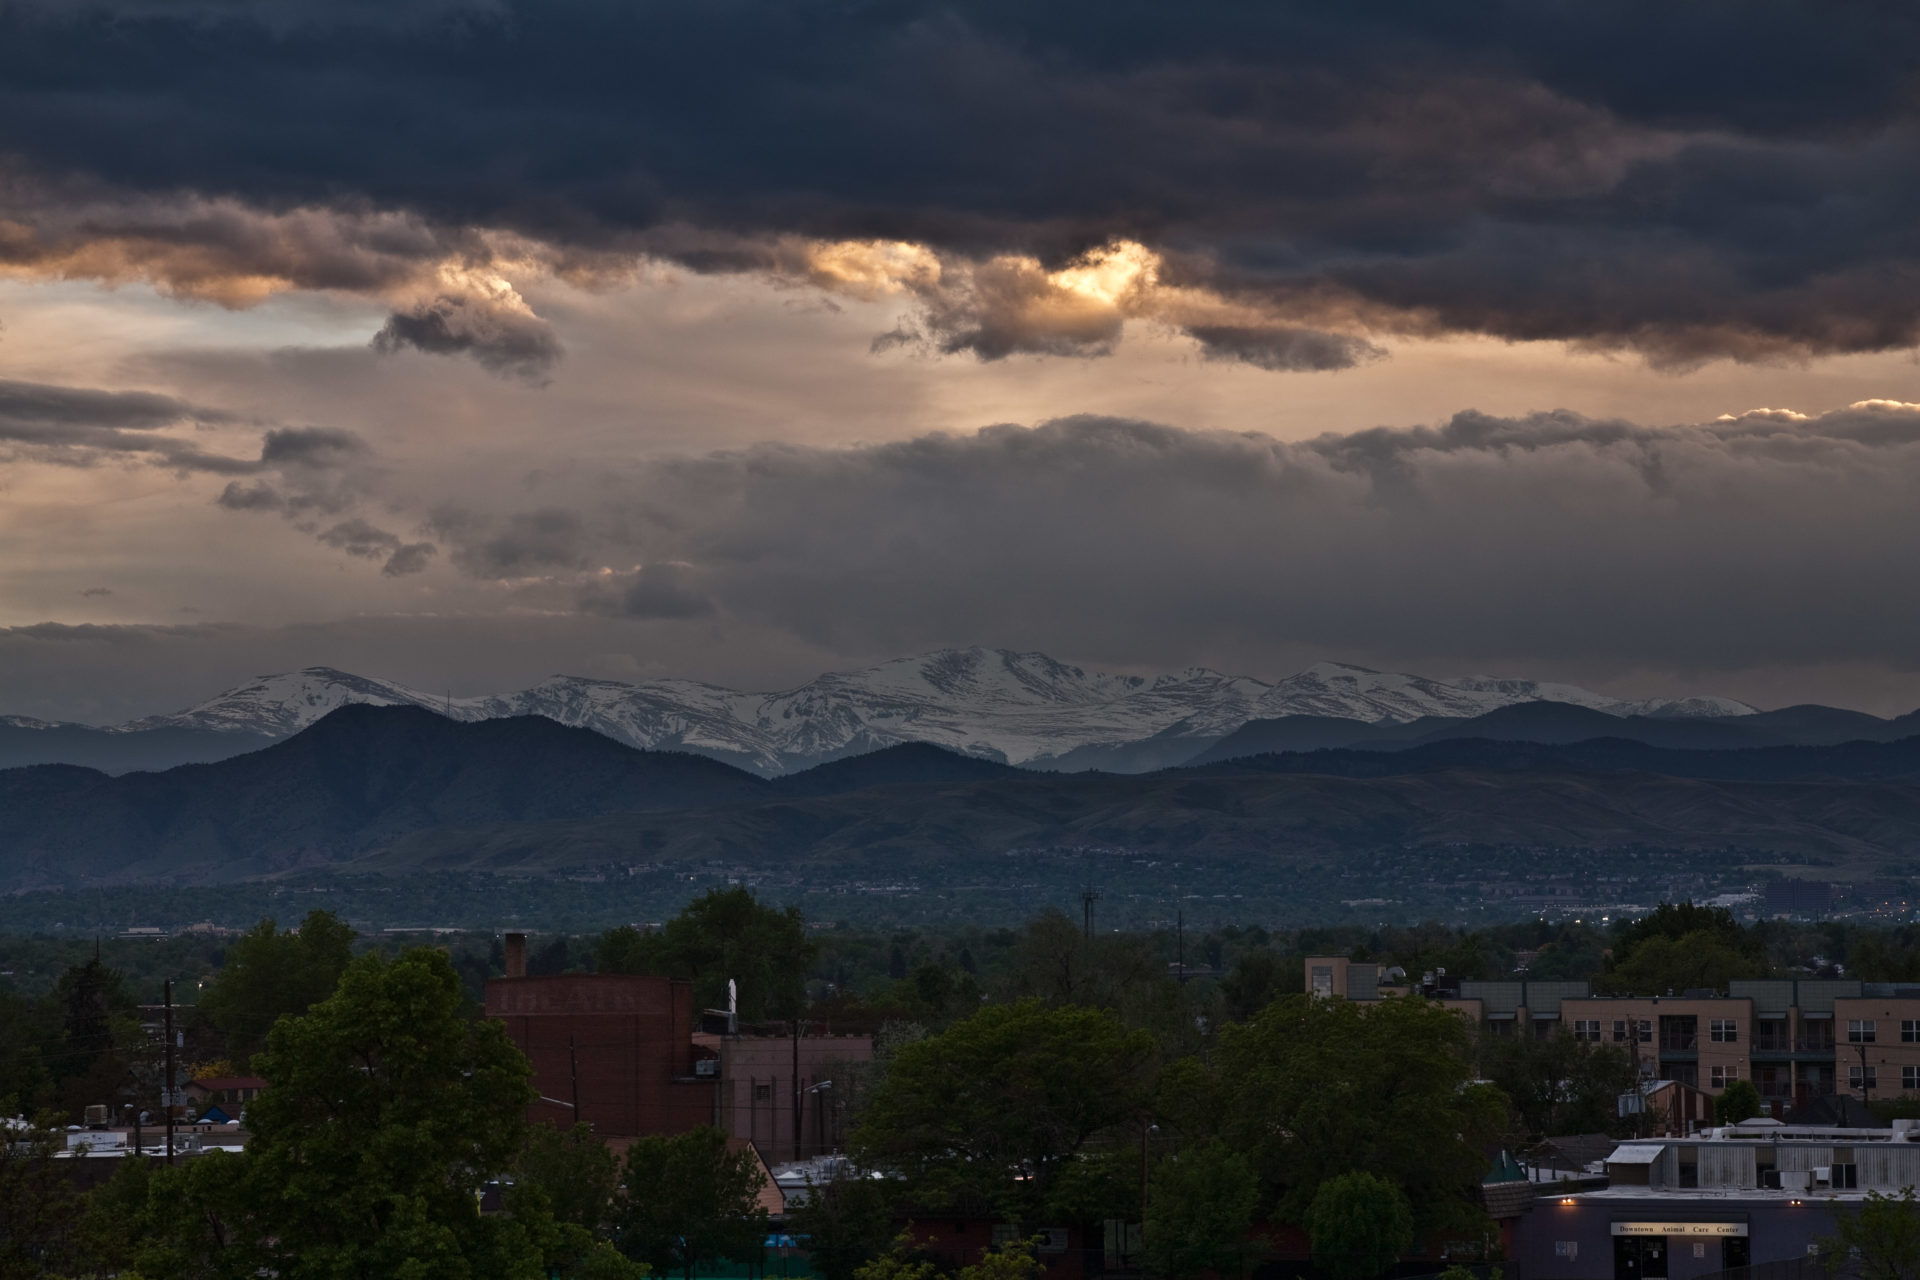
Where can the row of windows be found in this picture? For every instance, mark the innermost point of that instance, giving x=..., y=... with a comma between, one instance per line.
x=1727, y=1030
x=1858, y=1076
x=1862, y=1031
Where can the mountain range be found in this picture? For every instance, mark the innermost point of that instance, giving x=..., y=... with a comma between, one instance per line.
x=1015, y=708
x=401, y=788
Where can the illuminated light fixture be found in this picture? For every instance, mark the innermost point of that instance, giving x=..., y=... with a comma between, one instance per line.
x=1569, y=1200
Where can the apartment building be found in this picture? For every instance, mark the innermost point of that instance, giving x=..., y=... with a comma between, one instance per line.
x=1796, y=1039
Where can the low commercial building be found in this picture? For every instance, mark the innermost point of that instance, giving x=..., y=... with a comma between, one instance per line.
x=1679, y=1209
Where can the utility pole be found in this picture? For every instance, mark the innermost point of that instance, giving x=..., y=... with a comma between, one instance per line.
x=1088, y=896
x=796, y=1087
x=573, y=1065
x=166, y=1085
x=1180, y=937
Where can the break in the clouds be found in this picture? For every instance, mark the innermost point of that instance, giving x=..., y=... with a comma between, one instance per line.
x=1286, y=183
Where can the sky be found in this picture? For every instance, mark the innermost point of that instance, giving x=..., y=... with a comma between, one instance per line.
x=465, y=342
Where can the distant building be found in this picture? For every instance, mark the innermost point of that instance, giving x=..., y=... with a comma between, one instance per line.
x=1799, y=898
x=1796, y=1039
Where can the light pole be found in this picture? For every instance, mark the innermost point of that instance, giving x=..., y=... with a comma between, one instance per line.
x=1146, y=1133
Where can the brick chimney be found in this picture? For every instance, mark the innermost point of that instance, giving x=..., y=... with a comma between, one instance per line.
x=516, y=955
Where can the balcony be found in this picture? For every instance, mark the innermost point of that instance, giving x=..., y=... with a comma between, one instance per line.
x=1679, y=1042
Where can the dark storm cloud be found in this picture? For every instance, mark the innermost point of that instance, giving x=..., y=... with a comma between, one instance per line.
x=81, y=426
x=525, y=544
x=655, y=592
x=1693, y=181
x=1552, y=539
x=522, y=346
x=310, y=446
x=358, y=538
x=1280, y=348
x=315, y=471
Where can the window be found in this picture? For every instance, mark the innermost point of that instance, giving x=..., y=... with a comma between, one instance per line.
x=1724, y=1031
x=1323, y=980
x=1862, y=1077
x=1909, y=1031
x=1724, y=1076
x=1860, y=1031
x=1679, y=1033
x=763, y=1093
x=1586, y=1029
x=1842, y=1172
x=1910, y=1079
x=1620, y=1032
x=1646, y=1031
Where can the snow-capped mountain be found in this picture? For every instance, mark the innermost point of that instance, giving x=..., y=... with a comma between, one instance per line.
x=1017, y=707
x=1665, y=708
x=285, y=704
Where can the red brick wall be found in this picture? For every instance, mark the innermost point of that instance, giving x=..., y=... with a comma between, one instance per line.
x=633, y=1039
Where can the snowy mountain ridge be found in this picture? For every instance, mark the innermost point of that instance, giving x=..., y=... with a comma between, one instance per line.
x=1022, y=708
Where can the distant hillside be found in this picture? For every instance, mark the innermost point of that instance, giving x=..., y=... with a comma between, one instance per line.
x=1563, y=723
x=112, y=751
x=1272, y=821
x=402, y=788
x=909, y=764
x=1850, y=761
x=355, y=780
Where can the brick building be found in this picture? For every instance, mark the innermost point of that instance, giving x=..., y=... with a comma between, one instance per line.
x=622, y=1045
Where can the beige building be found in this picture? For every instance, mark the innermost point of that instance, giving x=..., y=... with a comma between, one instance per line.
x=1795, y=1038
x=788, y=1096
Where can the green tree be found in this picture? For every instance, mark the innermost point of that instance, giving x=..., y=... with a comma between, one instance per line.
x=25, y=1082
x=1738, y=1101
x=1259, y=978
x=1559, y=1084
x=575, y=1171
x=1014, y=1260
x=386, y=1112
x=848, y=1222
x=1200, y=1210
x=1663, y=965
x=97, y=1024
x=723, y=934
x=269, y=974
x=690, y=1199
x=1359, y=1224
x=1312, y=1089
x=1882, y=1236
x=998, y=1109
x=38, y=1208
x=1680, y=945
